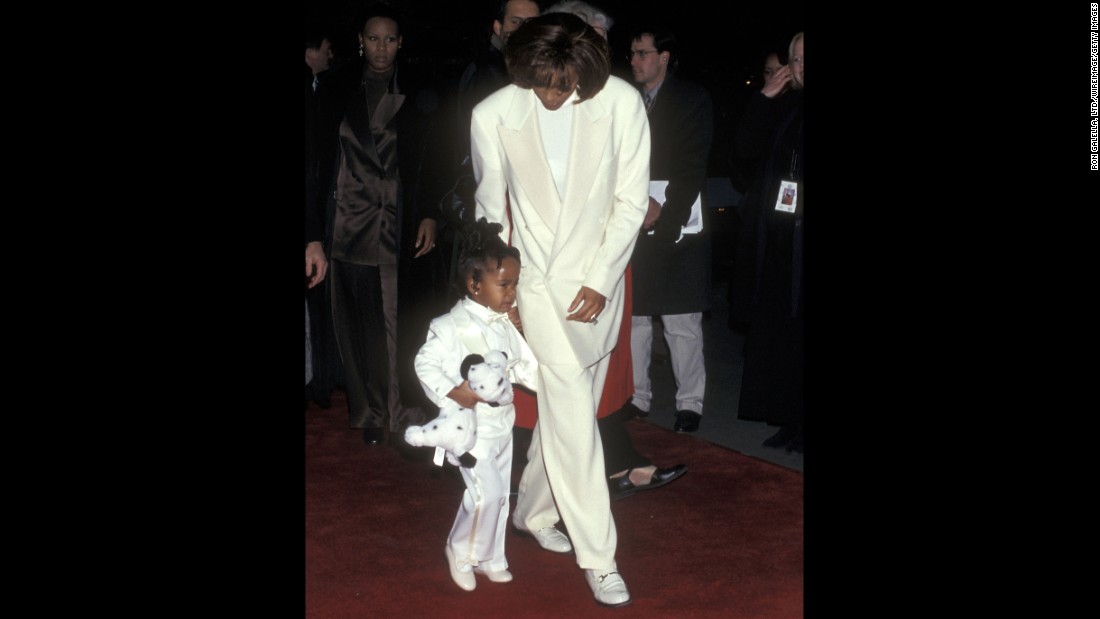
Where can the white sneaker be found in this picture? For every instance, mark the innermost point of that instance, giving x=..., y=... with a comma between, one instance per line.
x=494, y=576
x=553, y=540
x=464, y=580
x=608, y=587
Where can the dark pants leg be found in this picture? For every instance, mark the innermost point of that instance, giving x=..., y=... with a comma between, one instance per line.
x=361, y=336
x=618, y=450
x=328, y=374
x=771, y=384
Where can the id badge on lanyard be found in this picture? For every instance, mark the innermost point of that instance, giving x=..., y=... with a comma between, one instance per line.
x=787, y=200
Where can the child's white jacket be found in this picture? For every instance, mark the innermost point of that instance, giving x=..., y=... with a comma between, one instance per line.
x=471, y=328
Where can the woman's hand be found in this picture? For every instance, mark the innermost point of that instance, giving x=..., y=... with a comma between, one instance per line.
x=777, y=83
x=425, y=237
x=590, y=302
x=316, y=265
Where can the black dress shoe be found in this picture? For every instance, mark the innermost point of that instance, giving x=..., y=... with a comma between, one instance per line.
x=781, y=438
x=630, y=411
x=374, y=436
x=622, y=487
x=687, y=421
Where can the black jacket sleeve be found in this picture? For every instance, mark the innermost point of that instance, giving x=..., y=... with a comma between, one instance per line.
x=684, y=143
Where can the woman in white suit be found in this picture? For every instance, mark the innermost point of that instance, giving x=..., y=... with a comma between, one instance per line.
x=562, y=161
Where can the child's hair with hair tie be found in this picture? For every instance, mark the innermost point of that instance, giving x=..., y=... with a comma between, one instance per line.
x=480, y=248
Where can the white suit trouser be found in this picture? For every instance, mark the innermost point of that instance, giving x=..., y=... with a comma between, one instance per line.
x=564, y=478
x=477, y=536
x=684, y=334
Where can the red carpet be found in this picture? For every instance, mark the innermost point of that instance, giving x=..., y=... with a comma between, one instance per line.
x=725, y=540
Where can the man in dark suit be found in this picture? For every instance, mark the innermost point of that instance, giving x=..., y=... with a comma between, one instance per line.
x=487, y=73
x=671, y=259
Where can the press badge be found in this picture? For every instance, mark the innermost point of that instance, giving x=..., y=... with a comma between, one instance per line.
x=787, y=200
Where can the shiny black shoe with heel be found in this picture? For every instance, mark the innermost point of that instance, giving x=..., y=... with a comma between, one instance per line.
x=622, y=487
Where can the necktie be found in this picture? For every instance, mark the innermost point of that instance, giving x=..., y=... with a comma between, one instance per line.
x=648, y=102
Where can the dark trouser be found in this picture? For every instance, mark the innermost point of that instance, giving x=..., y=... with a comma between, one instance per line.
x=327, y=371
x=772, y=380
x=360, y=323
x=618, y=450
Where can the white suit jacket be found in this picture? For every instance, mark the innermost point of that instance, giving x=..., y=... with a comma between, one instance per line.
x=439, y=360
x=585, y=239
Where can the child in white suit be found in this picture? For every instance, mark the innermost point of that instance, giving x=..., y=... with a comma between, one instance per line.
x=487, y=273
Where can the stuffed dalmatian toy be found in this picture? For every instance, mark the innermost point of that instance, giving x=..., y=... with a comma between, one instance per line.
x=454, y=432
x=488, y=377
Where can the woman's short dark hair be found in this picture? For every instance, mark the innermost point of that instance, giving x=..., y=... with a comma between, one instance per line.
x=480, y=246
x=543, y=51
x=374, y=9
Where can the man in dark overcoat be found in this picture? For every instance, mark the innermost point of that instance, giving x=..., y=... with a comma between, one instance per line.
x=671, y=259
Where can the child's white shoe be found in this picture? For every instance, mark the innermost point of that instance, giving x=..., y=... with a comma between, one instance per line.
x=465, y=580
x=495, y=576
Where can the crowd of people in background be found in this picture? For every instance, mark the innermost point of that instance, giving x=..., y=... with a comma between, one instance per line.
x=593, y=175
